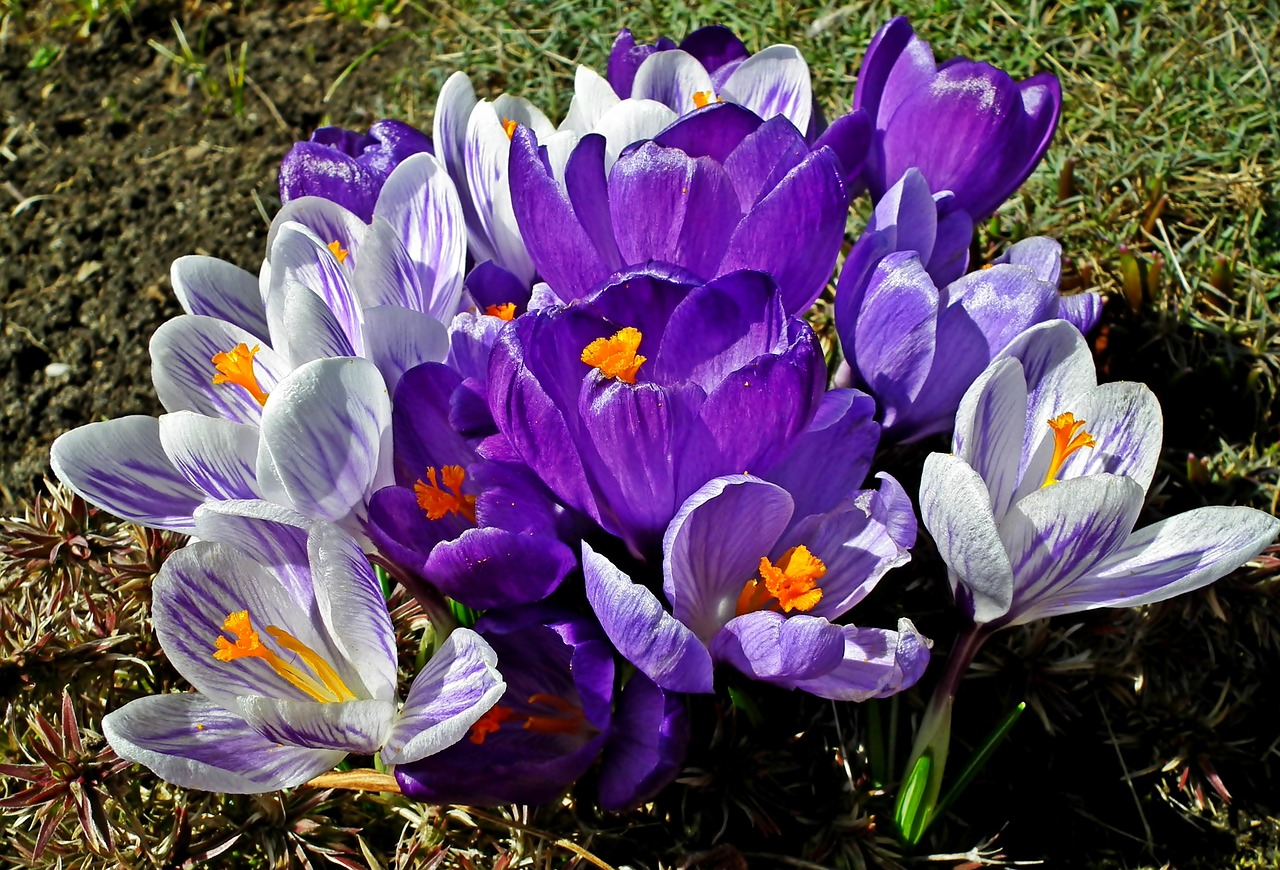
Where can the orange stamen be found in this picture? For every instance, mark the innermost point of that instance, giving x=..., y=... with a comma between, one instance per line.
x=490, y=722
x=436, y=502
x=235, y=366
x=790, y=584
x=324, y=686
x=1069, y=436
x=567, y=723
x=338, y=251
x=616, y=356
x=702, y=99
x=509, y=127
x=505, y=311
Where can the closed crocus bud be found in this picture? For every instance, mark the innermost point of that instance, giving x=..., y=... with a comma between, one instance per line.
x=969, y=127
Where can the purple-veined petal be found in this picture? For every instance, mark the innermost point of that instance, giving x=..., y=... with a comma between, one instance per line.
x=771, y=647
x=299, y=256
x=308, y=329
x=120, y=466
x=449, y=132
x=398, y=339
x=358, y=726
x=387, y=274
x=487, y=154
x=457, y=686
x=216, y=288
x=647, y=746
x=328, y=221
x=877, y=663
x=672, y=78
x=774, y=81
x=1125, y=421
x=191, y=742
x=273, y=536
x=653, y=640
x=989, y=429
x=219, y=457
x=1081, y=310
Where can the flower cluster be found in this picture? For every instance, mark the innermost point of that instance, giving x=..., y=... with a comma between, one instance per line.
x=558, y=380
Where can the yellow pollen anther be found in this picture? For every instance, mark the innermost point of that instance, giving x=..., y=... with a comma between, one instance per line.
x=1069, y=436
x=505, y=311
x=616, y=356
x=702, y=99
x=509, y=127
x=338, y=251
x=789, y=585
x=437, y=502
x=322, y=684
x=235, y=366
x=490, y=722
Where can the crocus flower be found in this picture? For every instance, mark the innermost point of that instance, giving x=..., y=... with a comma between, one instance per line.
x=627, y=402
x=349, y=168
x=967, y=126
x=554, y=720
x=718, y=191
x=755, y=586
x=1034, y=510
x=281, y=627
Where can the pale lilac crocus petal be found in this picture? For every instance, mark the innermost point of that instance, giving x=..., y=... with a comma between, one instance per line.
x=487, y=155
x=894, y=335
x=592, y=97
x=877, y=663
x=421, y=204
x=672, y=78
x=1081, y=310
x=300, y=256
x=218, y=456
x=191, y=742
x=647, y=746
x=1173, y=556
x=182, y=369
x=398, y=339
x=216, y=288
x=773, y=81
x=770, y=647
x=359, y=726
x=120, y=466
x=307, y=328
x=458, y=685
x=1041, y=254
x=323, y=431
x=272, y=535
x=714, y=544
x=328, y=221
x=1128, y=428
x=387, y=274
x=989, y=428
x=449, y=132
x=1062, y=531
x=956, y=509
x=653, y=640
x=831, y=459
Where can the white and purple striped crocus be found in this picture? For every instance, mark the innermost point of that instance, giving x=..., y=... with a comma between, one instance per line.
x=969, y=127
x=1034, y=510
x=281, y=626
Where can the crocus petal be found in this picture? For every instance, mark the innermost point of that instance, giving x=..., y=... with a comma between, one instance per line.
x=712, y=132
x=647, y=746
x=457, y=686
x=763, y=158
x=216, y=288
x=626, y=57
x=449, y=132
x=1128, y=429
x=773, y=81
x=191, y=742
x=120, y=466
x=272, y=535
x=487, y=154
x=219, y=457
x=350, y=726
x=877, y=663
x=300, y=256
x=488, y=568
x=182, y=368
x=989, y=429
x=387, y=274
x=308, y=329
x=770, y=647
x=672, y=78
x=714, y=46
x=323, y=431
x=897, y=62
x=398, y=339
x=1058, y=367
x=593, y=96
x=956, y=508
x=631, y=121
x=849, y=136
x=317, y=170
x=653, y=640
x=1081, y=310
x=894, y=336
x=328, y=221
x=1041, y=254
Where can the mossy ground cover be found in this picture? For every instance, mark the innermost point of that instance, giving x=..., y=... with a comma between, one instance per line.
x=1151, y=738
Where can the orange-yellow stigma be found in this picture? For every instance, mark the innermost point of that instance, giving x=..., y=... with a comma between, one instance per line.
x=490, y=722
x=1069, y=436
x=790, y=584
x=702, y=99
x=322, y=684
x=437, y=502
x=338, y=251
x=505, y=311
x=509, y=127
x=566, y=718
x=616, y=356
x=235, y=366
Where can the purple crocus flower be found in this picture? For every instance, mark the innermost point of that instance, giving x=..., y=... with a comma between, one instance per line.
x=281, y=627
x=718, y=191
x=969, y=127
x=755, y=586
x=628, y=401
x=554, y=720
x=1034, y=510
x=348, y=168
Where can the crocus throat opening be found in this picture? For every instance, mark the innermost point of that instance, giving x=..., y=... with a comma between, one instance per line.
x=235, y=366
x=437, y=502
x=790, y=584
x=338, y=251
x=1069, y=436
x=322, y=684
x=565, y=717
x=616, y=356
x=702, y=99
x=505, y=311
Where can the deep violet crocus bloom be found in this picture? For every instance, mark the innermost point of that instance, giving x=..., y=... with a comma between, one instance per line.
x=966, y=125
x=627, y=402
x=755, y=586
x=554, y=720
x=281, y=626
x=346, y=167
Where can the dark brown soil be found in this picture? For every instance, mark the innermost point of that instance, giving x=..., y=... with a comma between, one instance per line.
x=114, y=163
